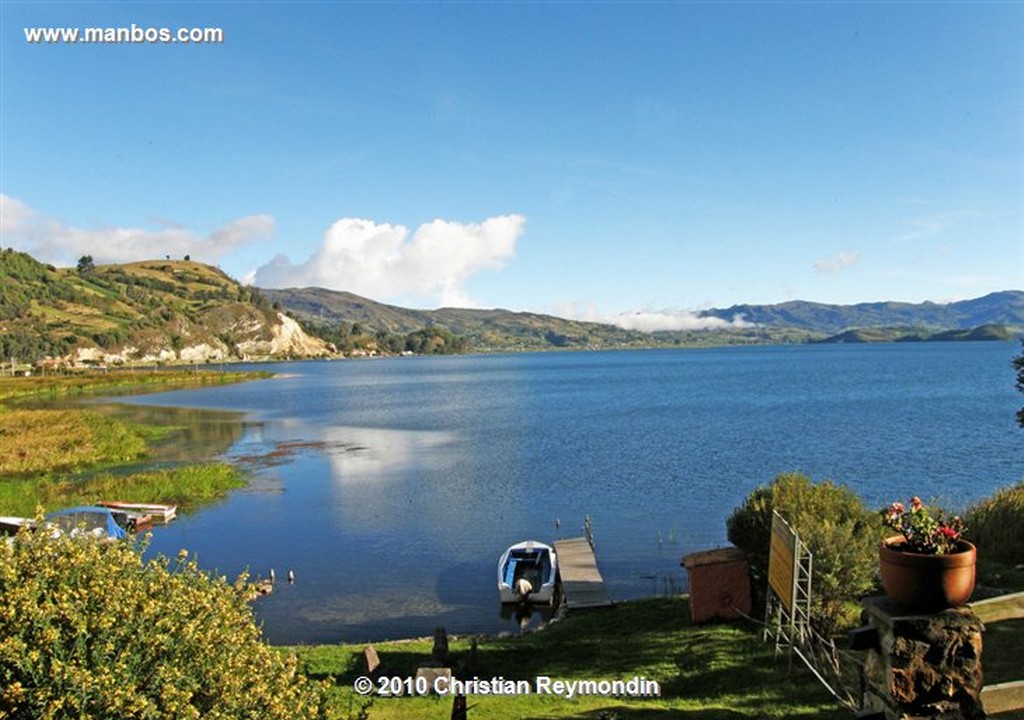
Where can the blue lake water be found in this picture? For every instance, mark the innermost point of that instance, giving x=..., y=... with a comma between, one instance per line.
x=397, y=482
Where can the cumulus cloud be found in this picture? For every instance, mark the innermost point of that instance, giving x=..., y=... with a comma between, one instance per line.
x=650, y=320
x=664, y=320
x=50, y=240
x=834, y=266
x=383, y=261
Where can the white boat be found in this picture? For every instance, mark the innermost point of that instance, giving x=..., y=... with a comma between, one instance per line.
x=158, y=512
x=527, y=572
x=11, y=525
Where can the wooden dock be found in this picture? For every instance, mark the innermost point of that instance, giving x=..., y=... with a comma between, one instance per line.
x=582, y=584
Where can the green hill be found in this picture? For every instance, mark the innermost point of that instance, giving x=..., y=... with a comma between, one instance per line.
x=150, y=311
x=1000, y=308
x=489, y=330
x=905, y=334
x=1000, y=316
x=183, y=311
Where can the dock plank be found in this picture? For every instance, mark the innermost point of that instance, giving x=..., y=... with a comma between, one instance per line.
x=582, y=584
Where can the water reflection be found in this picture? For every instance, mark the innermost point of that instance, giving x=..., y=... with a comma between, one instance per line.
x=196, y=435
x=367, y=454
x=526, y=616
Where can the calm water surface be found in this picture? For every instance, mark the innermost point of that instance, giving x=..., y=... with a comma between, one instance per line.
x=391, y=486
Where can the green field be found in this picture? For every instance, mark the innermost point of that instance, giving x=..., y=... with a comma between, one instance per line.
x=717, y=671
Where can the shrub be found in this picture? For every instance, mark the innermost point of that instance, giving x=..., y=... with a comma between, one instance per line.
x=90, y=629
x=996, y=525
x=833, y=523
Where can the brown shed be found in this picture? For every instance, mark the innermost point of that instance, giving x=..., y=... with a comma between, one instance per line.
x=719, y=584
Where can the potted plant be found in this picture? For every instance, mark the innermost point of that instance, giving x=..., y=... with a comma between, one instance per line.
x=928, y=566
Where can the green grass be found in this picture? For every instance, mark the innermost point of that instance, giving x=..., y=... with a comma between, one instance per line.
x=1000, y=655
x=86, y=383
x=186, y=486
x=706, y=672
x=44, y=441
x=996, y=525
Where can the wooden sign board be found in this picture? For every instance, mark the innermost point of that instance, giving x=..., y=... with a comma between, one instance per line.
x=782, y=560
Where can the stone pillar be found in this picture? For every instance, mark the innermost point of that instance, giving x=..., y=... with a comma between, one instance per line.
x=922, y=665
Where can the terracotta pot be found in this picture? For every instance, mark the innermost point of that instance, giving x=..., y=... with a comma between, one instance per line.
x=927, y=582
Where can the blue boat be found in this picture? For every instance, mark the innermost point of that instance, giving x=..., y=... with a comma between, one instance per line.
x=527, y=572
x=99, y=522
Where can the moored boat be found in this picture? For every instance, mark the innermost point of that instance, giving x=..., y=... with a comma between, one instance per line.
x=10, y=525
x=527, y=572
x=98, y=522
x=157, y=512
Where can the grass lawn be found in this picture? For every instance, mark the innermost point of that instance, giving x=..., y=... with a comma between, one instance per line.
x=704, y=672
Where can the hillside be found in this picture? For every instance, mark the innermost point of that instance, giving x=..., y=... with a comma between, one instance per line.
x=1000, y=314
x=486, y=329
x=183, y=311
x=150, y=311
x=1001, y=308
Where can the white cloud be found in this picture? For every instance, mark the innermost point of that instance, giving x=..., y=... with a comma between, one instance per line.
x=653, y=321
x=649, y=320
x=50, y=240
x=382, y=261
x=834, y=266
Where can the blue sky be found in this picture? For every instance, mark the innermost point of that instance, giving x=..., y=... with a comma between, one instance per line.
x=585, y=159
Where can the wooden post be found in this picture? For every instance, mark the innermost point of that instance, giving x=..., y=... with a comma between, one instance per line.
x=459, y=707
x=372, y=660
x=440, y=651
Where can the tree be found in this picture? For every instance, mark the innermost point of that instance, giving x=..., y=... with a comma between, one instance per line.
x=1018, y=365
x=832, y=521
x=85, y=265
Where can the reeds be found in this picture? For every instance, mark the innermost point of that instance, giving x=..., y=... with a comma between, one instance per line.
x=185, y=486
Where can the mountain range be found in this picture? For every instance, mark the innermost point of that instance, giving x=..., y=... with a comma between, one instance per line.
x=184, y=311
x=1002, y=313
x=999, y=308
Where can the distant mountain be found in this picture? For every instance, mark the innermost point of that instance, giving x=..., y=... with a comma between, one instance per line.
x=486, y=329
x=184, y=311
x=152, y=311
x=795, y=321
x=903, y=334
x=999, y=308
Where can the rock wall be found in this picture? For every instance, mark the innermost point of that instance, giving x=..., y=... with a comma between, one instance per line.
x=924, y=665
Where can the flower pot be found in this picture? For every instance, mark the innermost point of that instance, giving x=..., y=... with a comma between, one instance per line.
x=927, y=582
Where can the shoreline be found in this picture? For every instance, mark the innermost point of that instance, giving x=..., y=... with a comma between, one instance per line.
x=95, y=446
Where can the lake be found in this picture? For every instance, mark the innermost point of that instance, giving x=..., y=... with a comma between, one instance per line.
x=391, y=486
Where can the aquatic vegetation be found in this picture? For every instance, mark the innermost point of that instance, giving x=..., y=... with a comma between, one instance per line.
x=185, y=486
x=35, y=441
